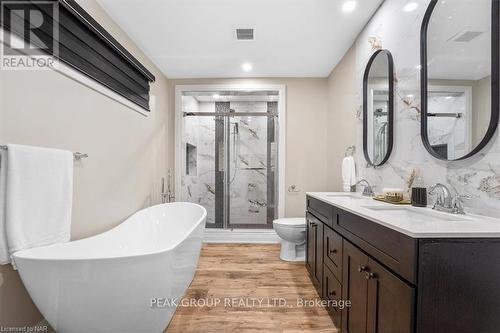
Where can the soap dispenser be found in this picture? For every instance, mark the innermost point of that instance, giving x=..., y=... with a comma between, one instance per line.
x=419, y=192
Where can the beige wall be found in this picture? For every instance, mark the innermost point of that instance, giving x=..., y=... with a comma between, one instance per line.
x=341, y=120
x=127, y=151
x=306, y=145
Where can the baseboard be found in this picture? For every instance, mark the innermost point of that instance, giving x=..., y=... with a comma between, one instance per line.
x=258, y=236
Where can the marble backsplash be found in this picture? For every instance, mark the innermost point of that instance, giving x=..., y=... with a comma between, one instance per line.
x=479, y=176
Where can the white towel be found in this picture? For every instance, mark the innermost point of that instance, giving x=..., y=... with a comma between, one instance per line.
x=38, y=197
x=348, y=173
x=4, y=249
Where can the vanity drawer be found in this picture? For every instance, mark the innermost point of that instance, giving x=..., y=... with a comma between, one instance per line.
x=394, y=249
x=333, y=252
x=332, y=292
x=321, y=210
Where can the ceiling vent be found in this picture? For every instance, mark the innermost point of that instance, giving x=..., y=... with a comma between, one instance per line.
x=466, y=36
x=244, y=34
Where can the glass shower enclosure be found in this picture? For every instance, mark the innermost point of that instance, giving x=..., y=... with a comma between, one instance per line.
x=229, y=156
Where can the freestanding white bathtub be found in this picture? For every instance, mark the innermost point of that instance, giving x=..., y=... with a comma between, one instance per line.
x=108, y=283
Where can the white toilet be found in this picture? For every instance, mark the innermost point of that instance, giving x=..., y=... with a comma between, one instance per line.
x=292, y=232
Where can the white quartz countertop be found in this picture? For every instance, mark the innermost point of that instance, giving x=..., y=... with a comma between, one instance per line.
x=415, y=222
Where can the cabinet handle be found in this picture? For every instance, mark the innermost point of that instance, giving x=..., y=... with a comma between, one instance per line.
x=332, y=251
x=314, y=225
x=332, y=293
x=361, y=268
x=369, y=275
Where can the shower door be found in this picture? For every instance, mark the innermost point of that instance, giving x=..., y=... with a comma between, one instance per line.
x=251, y=179
x=230, y=161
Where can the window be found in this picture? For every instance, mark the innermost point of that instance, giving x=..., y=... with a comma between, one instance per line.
x=83, y=45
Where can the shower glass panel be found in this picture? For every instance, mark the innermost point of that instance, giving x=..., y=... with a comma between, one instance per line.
x=251, y=163
x=230, y=157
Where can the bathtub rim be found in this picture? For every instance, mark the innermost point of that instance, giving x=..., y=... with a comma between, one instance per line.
x=21, y=254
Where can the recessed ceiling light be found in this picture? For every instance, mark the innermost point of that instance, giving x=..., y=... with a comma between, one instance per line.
x=247, y=67
x=410, y=6
x=349, y=6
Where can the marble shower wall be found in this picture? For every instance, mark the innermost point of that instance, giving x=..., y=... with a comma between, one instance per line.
x=398, y=31
x=248, y=195
x=199, y=132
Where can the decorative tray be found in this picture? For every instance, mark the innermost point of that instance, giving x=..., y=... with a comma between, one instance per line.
x=383, y=199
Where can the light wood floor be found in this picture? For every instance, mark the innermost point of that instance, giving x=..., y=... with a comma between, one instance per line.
x=249, y=271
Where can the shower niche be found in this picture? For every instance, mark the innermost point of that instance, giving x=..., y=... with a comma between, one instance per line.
x=230, y=140
x=191, y=159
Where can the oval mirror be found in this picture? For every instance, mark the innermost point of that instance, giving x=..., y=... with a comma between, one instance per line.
x=378, y=101
x=459, y=59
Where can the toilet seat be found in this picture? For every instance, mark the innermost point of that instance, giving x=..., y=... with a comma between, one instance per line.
x=291, y=222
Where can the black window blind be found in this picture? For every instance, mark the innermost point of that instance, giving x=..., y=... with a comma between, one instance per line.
x=87, y=47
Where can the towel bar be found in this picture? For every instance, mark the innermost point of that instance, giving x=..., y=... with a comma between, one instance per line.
x=77, y=156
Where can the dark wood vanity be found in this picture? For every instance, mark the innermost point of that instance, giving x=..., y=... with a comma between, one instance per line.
x=397, y=283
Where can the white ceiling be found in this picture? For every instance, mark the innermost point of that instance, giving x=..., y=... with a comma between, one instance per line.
x=451, y=60
x=195, y=38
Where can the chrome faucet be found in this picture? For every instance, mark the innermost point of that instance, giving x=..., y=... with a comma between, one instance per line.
x=167, y=196
x=445, y=202
x=443, y=197
x=367, y=190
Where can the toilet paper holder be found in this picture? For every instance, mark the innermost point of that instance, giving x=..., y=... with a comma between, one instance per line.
x=293, y=189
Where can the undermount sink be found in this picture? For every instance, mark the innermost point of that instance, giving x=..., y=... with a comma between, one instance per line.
x=346, y=195
x=417, y=214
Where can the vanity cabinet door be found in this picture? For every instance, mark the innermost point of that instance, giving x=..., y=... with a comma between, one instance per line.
x=315, y=252
x=332, y=255
x=311, y=246
x=354, y=288
x=390, y=301
x=318, y=266
x=332, y=291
